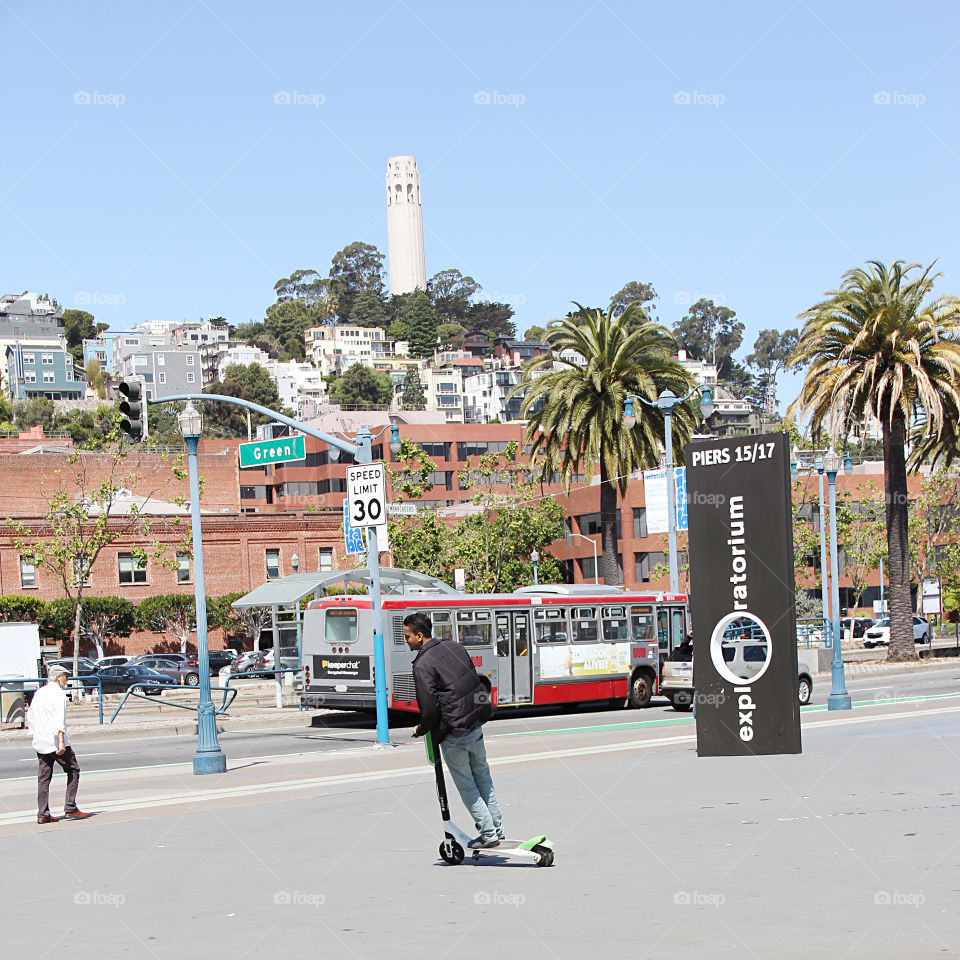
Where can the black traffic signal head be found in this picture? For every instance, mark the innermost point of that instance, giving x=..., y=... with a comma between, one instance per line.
x=134, y=411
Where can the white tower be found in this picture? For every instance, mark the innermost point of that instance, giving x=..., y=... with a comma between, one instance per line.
x=405, y=260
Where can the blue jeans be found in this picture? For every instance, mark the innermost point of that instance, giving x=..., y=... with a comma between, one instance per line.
x=466, y=760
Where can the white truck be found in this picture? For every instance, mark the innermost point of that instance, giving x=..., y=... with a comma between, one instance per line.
x=19, y=667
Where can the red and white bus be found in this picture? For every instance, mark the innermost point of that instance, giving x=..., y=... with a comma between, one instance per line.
x=553, y=644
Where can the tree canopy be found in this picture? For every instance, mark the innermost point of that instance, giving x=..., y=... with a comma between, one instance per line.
x=362, y=388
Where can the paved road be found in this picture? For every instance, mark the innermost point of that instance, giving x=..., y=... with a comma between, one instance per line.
x=348, y=729
x=848, y=851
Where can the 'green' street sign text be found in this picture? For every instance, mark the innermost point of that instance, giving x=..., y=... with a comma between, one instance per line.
x=272, y=451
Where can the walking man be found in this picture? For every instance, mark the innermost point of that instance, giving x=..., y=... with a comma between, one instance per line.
x=453, y=706
x=47, y=718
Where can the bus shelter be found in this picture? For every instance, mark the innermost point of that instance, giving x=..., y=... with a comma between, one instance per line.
x=276, y=607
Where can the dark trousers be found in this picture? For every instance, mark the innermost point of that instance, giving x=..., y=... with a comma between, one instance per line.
x=71, y=767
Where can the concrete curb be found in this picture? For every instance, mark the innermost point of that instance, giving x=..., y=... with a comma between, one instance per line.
x=858, y=669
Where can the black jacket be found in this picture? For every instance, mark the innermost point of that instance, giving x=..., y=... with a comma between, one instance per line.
x=451, y=696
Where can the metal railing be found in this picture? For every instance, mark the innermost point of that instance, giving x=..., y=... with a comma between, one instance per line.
x=813, y=632
x=254, y=674
x=87, y=680
x=136, y=688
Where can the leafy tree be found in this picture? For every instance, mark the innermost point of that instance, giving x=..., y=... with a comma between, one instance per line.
x=36, y=411
x=94, y=377
x=636, y=291
x=100, y=619
x=412, y=398
x=450, y=335
x=399, y=330
x=423, y=327
x=535, y=334
x=368, y=310
x=248, y=382
x=78, y=325
x=451, y=294
x=81, y=520
x=575, y=413
x=860, y=531
x=771, y=351
x=878, y=346
x=934, y=524
x=710, y=333
x=22, y=609
x=358, y=266
x=491, y=319
x=363, y=388
x=174, y=614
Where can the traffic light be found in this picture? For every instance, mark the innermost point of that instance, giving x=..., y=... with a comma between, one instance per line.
x=134, y=411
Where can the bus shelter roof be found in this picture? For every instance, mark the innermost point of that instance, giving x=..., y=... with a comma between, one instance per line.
x=289, y=591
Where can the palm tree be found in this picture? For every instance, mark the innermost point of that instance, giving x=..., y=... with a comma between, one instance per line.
x=880, y=346
x=574, y=410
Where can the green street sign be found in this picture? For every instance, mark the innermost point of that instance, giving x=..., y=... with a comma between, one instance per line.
x=281, y=450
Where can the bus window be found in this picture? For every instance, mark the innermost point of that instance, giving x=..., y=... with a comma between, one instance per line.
x=551, y=626
x=340, y=625
x=503, y=635
x=442, y=624
x=583, y=623
x=677, y=624
x=615, y=624
x=642, y=621
x=663, y=631
x=474, y=628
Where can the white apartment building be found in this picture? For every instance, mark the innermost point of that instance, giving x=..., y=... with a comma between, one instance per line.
x=443, y=392
x=300, y=385
x=336, y=349
x=704, y=374
x=241, y=353
x=486, y=396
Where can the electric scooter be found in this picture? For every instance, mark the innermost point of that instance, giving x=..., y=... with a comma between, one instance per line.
x=536, y=850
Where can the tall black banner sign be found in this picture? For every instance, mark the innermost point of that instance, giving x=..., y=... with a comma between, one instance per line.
x=742, y=596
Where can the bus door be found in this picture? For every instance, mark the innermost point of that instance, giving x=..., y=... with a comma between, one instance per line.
x=514, y=659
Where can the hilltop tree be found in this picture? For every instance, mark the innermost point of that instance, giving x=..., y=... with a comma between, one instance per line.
x=368, y=310
x=357, y=267
x=491, y=319
x=710, y=333
x=247, y=382
x=412, y=398
x=78, y=325
x=636, y=291
x=423, y=327
x=535, y=334
x=771, y=351
x=451, y=294
x=362, y=388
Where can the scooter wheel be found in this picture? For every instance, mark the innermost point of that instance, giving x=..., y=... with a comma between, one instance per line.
x=545, y=855
x=451, y=852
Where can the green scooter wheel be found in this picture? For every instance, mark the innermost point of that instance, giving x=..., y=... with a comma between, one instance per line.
x=545, y=855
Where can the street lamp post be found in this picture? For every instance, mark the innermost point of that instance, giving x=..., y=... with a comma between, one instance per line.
x=209, y=758
x=839, y=699
x=666, y=403
x=824, y=573
x=593, y=543
x=535, y=556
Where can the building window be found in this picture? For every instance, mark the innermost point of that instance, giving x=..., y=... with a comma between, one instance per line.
x=273, y=564
x=49, y=376
x=48, y=359
x=191, y=376
x=30, y=376
x=161, y=359
x=639, y=522
x=28, y=573
x=30, y=358
x=190, y=359
x=140, y=361
x=161, y=378
x=130, y=569
x=132, y=341
x=183, y=568
x=326, y=559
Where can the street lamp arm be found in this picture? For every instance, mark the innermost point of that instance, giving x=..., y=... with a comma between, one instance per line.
x=340, y=444
x=661, y=402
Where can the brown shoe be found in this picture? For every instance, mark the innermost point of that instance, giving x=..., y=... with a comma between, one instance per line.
x=48, y=819
x=76, y=815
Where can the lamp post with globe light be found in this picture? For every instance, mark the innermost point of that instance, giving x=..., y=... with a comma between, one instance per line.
x=209, y=758
x=839, y=699
x=666, y=403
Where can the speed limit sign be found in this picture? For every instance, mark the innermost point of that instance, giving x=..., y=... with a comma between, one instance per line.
x=367, y=494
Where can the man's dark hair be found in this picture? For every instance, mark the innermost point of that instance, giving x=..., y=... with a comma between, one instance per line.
x=419, y=623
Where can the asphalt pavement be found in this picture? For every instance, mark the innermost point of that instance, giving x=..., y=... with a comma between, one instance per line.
x=849, y=850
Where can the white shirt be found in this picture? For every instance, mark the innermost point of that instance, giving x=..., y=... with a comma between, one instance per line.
x=47, y=716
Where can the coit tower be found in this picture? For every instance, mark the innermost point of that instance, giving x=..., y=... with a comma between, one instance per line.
x=404, y=227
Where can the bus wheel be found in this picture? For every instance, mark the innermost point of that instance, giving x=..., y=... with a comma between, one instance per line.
x=641, y=690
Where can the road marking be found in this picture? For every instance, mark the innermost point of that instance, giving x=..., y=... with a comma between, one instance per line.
x=253, y=790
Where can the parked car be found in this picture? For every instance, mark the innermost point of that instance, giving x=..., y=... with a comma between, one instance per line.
x=222, y=658
x=85, y=666
x=179, y=670
x=744, y=658
x=860, y=626
x=879, y=634
x=119, y=679
x=249, y=661
x=117, y=661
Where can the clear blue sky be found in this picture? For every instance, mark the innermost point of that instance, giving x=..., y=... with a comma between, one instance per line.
x=199, y=191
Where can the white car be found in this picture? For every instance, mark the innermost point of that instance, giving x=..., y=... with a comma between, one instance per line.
x=879, y=634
